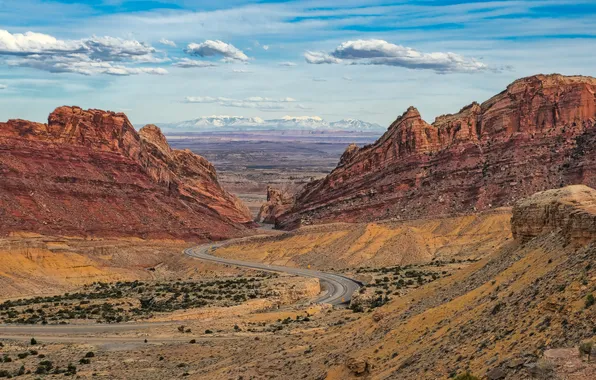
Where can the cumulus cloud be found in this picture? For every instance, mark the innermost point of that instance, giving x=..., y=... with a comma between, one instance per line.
x=186, y=63
x=380, y=52
x=262, y=103
x=3, y=87
x=211, y=48
x=287, y=64
x=35, y=43
x=265, y=47
x=166, y=42
x=318, y=58
x=94, y=55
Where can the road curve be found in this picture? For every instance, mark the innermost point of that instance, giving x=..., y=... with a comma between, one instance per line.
x=337, y=289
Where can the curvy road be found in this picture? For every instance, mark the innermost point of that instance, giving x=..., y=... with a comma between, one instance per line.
x=337, y=289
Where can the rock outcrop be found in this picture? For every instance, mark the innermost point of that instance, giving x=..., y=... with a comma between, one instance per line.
x=570, y=211
x=538, y=134
x=278, y=202
x=90, y=173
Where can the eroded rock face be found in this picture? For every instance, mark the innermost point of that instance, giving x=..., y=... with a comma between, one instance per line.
x=570, y=211
x=278, y=202
x=358, y=366
x=90, y=173
x=537, y=134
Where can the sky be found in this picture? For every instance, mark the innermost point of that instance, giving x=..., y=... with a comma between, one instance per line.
x=171, y=60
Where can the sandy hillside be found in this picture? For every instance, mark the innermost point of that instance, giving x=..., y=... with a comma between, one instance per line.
x=380, y=244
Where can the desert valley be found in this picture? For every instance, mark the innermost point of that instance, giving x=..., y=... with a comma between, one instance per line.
x=459, y=249
x=298, y=189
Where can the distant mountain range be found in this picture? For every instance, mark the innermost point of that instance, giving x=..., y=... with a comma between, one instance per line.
x=240, y=123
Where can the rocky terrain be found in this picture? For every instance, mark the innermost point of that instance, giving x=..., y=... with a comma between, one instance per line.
x=89, y=173
x=570, y=211
x=520, y=312
x=278, y=202
x=538, y=134
x=379, y=245
x=517, y=309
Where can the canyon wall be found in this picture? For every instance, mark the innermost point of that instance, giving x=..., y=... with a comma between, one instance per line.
x=89, y=173
x=538, y=134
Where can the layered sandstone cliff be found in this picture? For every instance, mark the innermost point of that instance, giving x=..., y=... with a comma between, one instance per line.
x=570, y=211
x=90, y=173
x=535, y=135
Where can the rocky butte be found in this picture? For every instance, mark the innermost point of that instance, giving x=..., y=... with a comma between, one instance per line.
x=90, y=173
x=538, y=134
x=277, y=203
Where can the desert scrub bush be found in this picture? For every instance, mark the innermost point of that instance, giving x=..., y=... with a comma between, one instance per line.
x=585, y=349
x=544, y=369
x=590, y=300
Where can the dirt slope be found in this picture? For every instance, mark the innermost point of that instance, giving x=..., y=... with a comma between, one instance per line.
x=380, y=244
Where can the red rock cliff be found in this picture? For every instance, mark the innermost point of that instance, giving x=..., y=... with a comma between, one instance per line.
x=535, y=135
x=90, y=173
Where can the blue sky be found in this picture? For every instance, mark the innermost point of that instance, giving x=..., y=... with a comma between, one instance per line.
x=172, y=60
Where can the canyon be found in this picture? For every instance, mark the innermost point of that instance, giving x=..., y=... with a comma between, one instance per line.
x=472, y=255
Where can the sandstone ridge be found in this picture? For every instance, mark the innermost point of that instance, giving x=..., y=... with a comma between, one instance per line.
x=570, y=211
x=533, y=136
x=89, y=173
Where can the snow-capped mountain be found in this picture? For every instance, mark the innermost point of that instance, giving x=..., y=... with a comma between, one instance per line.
x=217, y=122
x=355, y=125
x=240, y=123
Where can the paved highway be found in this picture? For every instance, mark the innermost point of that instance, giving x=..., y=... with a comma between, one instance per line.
x=337, y=289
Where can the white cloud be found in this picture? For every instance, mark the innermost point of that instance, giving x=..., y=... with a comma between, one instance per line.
x=287, y=64
x=111, y=48
x=150, y=59
x=211, y=48
x=319, y=79
x=82, y=65
x=192, y=63
x=241, y=71
x=166, y=42
x=262, y=103
x=346, y=77
x=265, y=47
x=3, y=87
x=318, y=57
x=380, y=52
x=121, y=70
x=35, y=43
x=94, y=55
